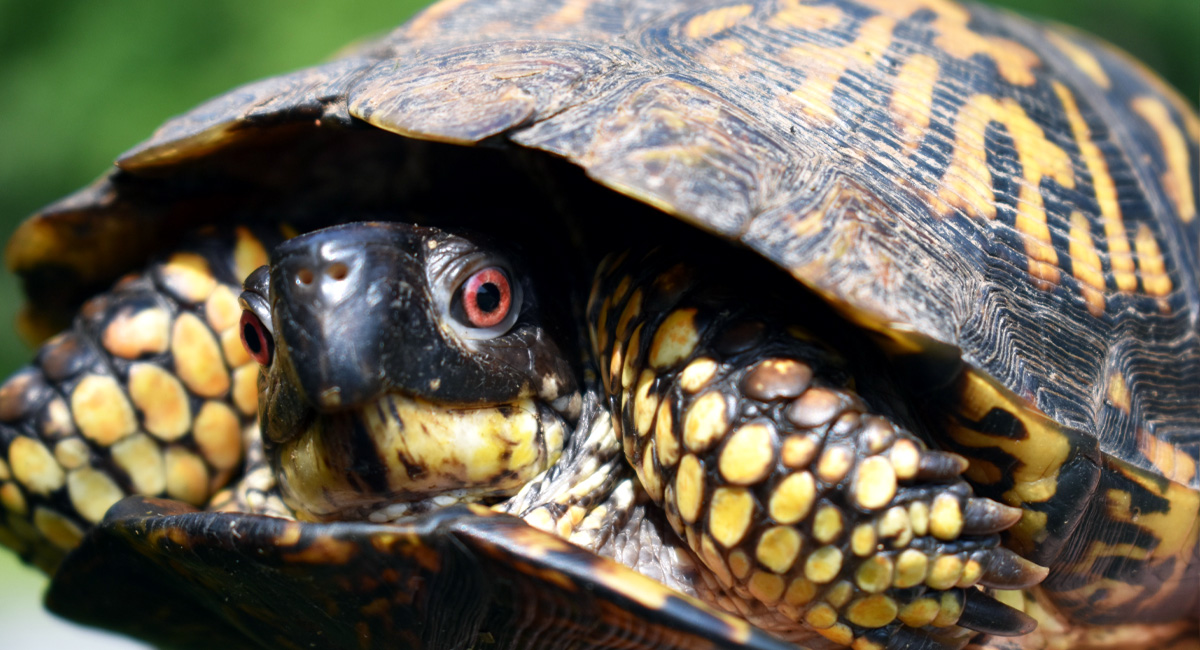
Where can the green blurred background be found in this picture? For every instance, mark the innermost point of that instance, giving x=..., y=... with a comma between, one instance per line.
x=81, y=81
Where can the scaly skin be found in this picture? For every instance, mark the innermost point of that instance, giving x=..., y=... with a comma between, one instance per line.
x=147, y=393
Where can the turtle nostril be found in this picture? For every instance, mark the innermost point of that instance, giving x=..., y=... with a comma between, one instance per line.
x=304, y=276
x=337, y=271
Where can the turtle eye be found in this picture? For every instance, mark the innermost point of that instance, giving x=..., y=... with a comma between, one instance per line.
x=487, y=297
x=256, y=339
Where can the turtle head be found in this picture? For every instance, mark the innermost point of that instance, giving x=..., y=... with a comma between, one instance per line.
x=401, y=367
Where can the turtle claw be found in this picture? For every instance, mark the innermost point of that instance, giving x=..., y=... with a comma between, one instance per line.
x=984, y=517
x=1005, y=569
x=983, y=613
x=940, y=466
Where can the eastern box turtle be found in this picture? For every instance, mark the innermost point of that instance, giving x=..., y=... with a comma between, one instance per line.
x=891, y=342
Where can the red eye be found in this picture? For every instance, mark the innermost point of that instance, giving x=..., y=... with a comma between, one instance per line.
x=487, y=297
x=256, y=339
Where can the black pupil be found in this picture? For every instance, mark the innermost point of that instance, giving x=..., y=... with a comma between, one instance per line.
x=252, y=339
x=487, y=297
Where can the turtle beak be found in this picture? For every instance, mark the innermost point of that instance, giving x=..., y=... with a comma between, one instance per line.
x=343, y=301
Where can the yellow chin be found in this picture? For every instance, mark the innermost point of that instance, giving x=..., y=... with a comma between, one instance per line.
x=400, y=449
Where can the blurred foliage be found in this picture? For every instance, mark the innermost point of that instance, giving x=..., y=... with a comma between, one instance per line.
x=83, y=80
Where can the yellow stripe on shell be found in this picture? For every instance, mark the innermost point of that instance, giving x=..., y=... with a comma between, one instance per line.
x=912, y=99
x=826, y=65
x=1177, y=178
x=1014, y=61
x=1086, y=265
x=1080, y=57
x=967, y=183
x=1151, y=265
x=796, y=14
x=715, y=21
x=1119, y=251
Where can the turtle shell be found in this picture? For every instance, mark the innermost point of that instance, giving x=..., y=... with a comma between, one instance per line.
x=165, y=573
x=944, y=174
x=968, y=185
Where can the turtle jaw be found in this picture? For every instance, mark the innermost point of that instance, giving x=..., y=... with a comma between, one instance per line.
x=401, y=449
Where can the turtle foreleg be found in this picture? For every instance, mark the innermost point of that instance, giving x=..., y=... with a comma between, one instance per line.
x=148, y=392
x=789, y=486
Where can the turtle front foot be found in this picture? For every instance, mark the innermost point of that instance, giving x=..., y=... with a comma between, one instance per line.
x=787, y=485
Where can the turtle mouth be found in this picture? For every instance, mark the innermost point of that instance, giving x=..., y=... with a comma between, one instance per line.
x=400, y=455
